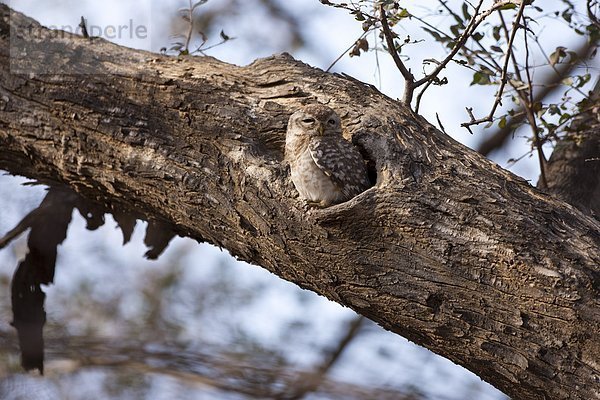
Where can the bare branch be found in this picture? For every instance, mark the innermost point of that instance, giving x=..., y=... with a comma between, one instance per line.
x=591, y=15
x=496, y=139
x=476, y=19
x=474, y=22
x=310, y=382
x=504, y=77
x=491, y=63
x=528, y=97
x=409, y=78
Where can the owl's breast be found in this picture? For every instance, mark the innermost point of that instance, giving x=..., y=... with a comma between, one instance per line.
x=311, y=182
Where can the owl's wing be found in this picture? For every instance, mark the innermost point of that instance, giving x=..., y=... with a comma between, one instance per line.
x=339, y=160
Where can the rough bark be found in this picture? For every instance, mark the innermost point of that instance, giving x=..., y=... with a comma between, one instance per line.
x=447, y=249
x=573, y=171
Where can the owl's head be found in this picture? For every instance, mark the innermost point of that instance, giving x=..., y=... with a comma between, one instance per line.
x=314, y=120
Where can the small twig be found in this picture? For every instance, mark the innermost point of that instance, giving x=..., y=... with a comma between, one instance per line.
x=347, y=50
x=471, y=26
x=191, y=27
x=555, y=69
x=84, y=31
x=418, y=104
x=490, y=63
x=440, y=123
x=593, y=18
x=377, y=65
x=531, y=115
x=473, y=23
x=504, y=76
x=202, y=51
x=409, y=78
x=512, y=53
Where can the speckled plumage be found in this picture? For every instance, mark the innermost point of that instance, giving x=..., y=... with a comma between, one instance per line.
x=325, y=168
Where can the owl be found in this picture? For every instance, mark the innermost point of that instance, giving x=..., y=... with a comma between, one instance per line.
x=326, y=169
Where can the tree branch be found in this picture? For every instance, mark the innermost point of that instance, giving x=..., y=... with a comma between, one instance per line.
x=504, y=77
x=310, y=381
x=410, y=84
x=447, y=249
x=496, y=139
x=409, y=79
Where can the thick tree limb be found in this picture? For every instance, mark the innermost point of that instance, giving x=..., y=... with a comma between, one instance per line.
x=575, y=163
x=447, y=249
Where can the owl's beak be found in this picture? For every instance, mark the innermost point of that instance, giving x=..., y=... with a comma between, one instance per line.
x=321, y=129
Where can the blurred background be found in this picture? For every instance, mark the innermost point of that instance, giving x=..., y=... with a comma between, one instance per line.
x=196, y=323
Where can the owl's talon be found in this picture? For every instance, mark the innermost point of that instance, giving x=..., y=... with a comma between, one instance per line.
x=315, y=204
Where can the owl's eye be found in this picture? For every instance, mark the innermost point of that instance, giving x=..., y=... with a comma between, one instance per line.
x=331, y=121
x=308, y=120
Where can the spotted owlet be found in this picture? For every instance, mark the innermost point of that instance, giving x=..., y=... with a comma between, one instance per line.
x=326, y=169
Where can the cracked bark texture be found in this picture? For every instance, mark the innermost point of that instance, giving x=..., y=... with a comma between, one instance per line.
x=447, y=249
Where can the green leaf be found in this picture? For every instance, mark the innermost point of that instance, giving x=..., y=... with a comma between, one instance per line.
x=573, y=56
x=436, y=36
x=509, y=6
x=502, y=123
x=553, y=109
x=496, y=32
x=465, y=11
x=496, y=48
x=480, y=78
x=583, y=79
x=477, y=77
x=403, y=13
x=563, y=118
x=358, y=16
x=455, y=29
